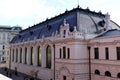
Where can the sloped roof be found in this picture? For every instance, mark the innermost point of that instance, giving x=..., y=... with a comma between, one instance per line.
x=46, y=28
x=112, y=32
x=86, y=21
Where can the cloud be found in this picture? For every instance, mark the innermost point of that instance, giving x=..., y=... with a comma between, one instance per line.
x=21, y=10
x=62, y=2
x=29, y=12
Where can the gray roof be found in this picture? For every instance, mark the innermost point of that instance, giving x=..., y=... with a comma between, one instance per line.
x=86, y=21
x=112, y=32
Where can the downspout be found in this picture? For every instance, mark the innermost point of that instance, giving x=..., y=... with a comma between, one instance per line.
x=54, y=62
x=9, y=58
x=89, y=63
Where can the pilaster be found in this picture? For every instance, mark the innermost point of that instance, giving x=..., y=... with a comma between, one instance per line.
x=28, y=55
x=35, y=55
x=23, y=54
x=43, y=56
x=52, y=55
x=19, y=54
x=15, y=54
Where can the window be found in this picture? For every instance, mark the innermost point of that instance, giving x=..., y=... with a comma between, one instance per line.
x=3, y=47
x=64, y=32
x=48, y=57
x=68, y=53
x=16, y=55
x=13, y=55
x=60, y=53
x=107, y=53
x=25, y=55
x=64, y=52
x=3, y=53
x=32, y=56
x=97, y=72
x=3, y=58
x=3, y=36
x=73, y=79
x=96, y=53
x=64, y=78
x=107, y=73
x=39, y=55
x=20, y=55
x=118, y=75
x=118, y=53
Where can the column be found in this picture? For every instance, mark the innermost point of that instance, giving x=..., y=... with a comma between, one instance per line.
x=66, y=53
x=19, y=55
x=43, y=56
x=28, y=55
x=15, y=54
x=11, y=54
x=52, y=55
x=61, y=53
x=23, y=54
x=35, y=55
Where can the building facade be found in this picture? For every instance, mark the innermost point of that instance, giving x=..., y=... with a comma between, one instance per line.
x=74, y=45
x=6, y=35
x=105, y=56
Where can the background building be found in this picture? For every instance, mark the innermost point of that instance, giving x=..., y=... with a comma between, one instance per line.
x=62, y=48
x=6, y=35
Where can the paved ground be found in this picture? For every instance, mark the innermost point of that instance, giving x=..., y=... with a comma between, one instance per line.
x=11, y=74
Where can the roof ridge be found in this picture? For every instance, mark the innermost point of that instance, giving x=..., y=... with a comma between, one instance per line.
x=64, y=13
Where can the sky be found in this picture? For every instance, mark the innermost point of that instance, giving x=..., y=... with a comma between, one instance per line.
x=26, y=13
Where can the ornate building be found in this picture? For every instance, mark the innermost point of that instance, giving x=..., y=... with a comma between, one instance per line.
x=69, y=46
x=6, y=35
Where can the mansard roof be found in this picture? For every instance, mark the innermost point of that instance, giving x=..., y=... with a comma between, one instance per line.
x=85, y=20
x=109, y=33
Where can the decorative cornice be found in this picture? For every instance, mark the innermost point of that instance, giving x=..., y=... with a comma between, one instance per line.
x=105, y=43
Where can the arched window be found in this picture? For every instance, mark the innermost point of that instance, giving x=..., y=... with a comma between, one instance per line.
x=118, y=75
x=20, y=55
x=25, y=55
x=32, y=56
x=68, y=51
x=48, y=57
x=60, y=53
x=107, y=73
x=13, y=55
x=39, y=55
x=16, y=55
x=97, y=72
x=64, y=52
x=64, y=32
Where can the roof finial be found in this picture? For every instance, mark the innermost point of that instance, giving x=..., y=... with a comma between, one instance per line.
x=64, y=21
x=78, y=3
x=107, y=18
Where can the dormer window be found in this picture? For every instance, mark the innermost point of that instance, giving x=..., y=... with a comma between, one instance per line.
x=31, y=32
x=20, y=36
x=64, y=32
x=49, y=27
x=64, y=29
x=101, y=23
